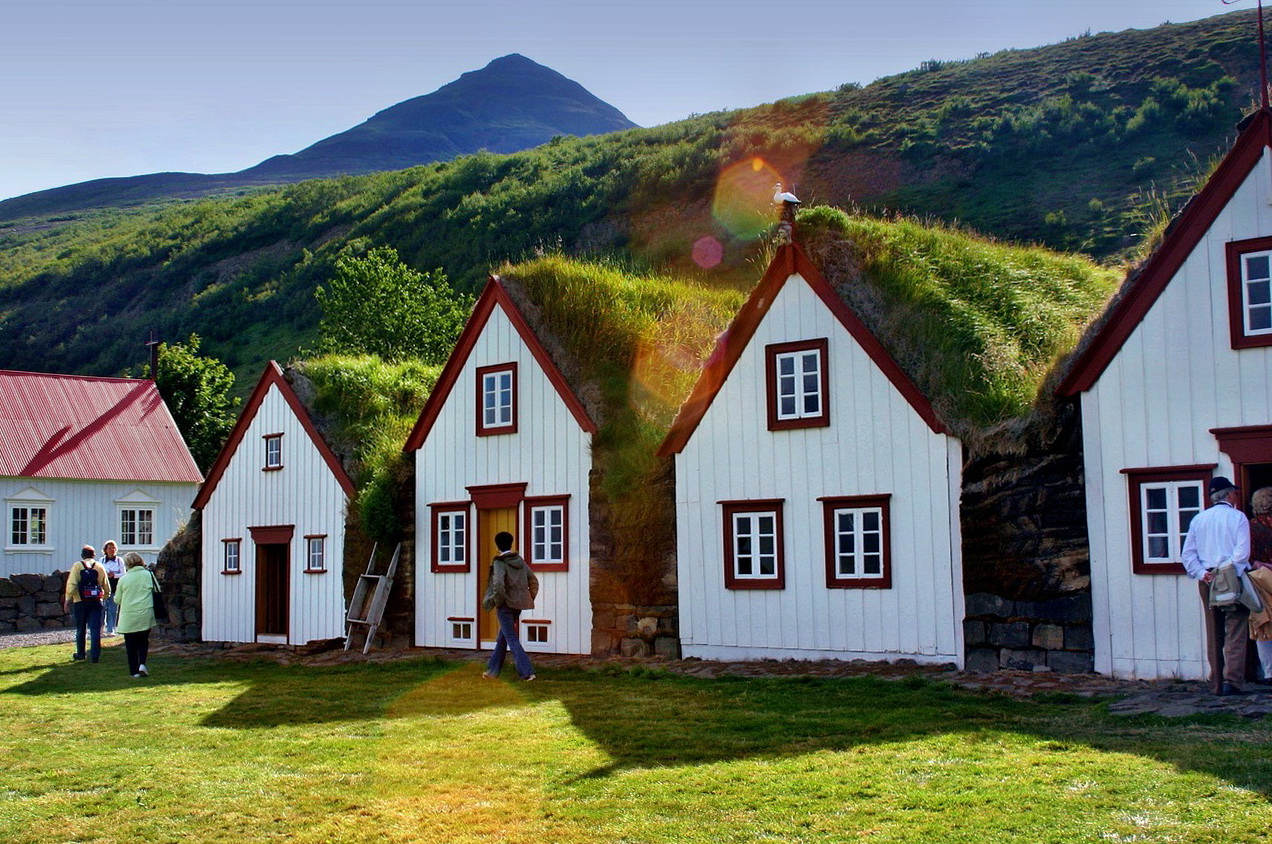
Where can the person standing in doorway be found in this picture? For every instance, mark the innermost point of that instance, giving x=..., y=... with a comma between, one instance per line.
x=137, y=612
x=1261, y=559
x=86, y=587
x=1218, y=545
x=513, y=588
x=114, y=570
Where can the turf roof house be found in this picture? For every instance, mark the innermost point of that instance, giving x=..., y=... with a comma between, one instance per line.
x=273, y=526
x=503, y=444
x=83, y=460
x=1176, y=387
x=817, y=492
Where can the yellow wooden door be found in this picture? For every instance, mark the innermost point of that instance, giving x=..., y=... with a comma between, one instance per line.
x=489, y=523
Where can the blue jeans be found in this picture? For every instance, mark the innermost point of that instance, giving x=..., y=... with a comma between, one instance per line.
x=112, y=613
x=88, y=617
x=509, y=640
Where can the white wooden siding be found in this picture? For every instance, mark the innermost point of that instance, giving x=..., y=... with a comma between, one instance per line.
x=303, y=493
x=1175, y=378
x=86, y=512
x=876, y=443
x=550, y=453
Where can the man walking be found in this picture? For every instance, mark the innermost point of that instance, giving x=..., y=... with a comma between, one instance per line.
x=1219, y=537
x=86, y=588
x=512, y=588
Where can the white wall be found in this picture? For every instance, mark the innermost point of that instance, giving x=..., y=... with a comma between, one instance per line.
x=875, y=444
x=549, y=452
x=1174, y=379
x=87, y=512
x=303, y=493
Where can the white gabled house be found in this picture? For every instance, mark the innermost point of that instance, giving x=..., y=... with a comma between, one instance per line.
x=817, y=491
x=83, y=460
x=1176, y=387
x=273, y=530
x=503, y=443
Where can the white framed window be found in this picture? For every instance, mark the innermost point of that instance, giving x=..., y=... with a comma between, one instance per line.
x=547, y=526
x=451, y=536
x=1163, y=503
x=28, y=513
x=273, y=451
x=136, y=527
x=30, y=525
x=798, y=385
x=497, y=399
x=535, y=631
x=461, y=630
x=858, y=554
x=1256, y=288
x=231, y=560
x=753, y=545
x=315, y=553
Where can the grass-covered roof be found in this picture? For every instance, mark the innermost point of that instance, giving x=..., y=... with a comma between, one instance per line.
x=977, y=325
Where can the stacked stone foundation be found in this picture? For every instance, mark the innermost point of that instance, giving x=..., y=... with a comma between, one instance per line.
x=1052, y=635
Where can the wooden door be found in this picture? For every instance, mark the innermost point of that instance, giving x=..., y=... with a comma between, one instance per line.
x=489, y=523
x=273, y=593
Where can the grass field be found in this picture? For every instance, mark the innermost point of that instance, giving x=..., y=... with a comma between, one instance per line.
x=420, y=750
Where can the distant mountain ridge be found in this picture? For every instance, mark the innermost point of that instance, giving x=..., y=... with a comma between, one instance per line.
x=511, y=104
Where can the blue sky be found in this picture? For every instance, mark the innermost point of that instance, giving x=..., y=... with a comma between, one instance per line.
x=97, y=88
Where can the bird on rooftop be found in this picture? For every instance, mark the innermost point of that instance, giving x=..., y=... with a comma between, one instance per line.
x=780, y=195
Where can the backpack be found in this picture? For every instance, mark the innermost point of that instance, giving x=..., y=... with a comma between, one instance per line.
x=90, y=587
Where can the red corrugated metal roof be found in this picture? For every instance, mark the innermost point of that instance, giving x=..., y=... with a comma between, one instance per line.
x=73, y=426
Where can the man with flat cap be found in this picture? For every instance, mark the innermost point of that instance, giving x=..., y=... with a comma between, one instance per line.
x=1217, y=537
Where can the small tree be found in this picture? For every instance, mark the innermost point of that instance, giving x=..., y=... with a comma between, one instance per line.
x=197, y=391
x=378, y=305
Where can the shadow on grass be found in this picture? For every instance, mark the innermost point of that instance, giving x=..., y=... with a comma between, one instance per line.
x=648, y=719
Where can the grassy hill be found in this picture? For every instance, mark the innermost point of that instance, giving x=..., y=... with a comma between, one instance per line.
x=1080, y=146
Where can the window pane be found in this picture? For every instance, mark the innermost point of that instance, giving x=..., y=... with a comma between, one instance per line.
x=785, y=365
x=873, y=564
x=1257, y=266
x=1158, y=548
x=1260, y=318
x=1257, y=291
x=1155, y=497
x=1190, y=497
x=1158, y=523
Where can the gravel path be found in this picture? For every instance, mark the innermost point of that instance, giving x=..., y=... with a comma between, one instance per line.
x=39, y=637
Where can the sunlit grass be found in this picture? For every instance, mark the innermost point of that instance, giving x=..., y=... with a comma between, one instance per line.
x=418, y=750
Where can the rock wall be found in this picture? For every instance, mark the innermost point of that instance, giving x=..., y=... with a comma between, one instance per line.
x=179, y=570
x=1026, y=560
x=633, y=579
x=31, y=602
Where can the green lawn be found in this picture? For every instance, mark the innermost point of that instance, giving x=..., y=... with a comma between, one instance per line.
x=418, y=750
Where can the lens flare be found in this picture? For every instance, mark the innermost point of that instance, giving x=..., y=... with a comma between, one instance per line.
x=708, y=252
x=743, y=202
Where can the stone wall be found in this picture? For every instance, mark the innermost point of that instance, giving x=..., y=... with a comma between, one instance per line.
x=1026, y=559
x=179, y=570
x=633, y=579
x=1029, y=635
x=30, y=602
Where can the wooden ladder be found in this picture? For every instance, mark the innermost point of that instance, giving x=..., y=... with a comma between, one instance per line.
x=370, y=596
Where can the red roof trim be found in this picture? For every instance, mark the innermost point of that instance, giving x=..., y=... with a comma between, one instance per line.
x=1180, y=241
x=789, y=261
x=271, y=377
x=493, y=294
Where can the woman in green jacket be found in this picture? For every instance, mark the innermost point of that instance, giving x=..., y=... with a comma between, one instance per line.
x=136, y=612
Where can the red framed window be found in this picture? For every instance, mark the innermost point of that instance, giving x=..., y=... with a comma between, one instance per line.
x=451, y=536
x=1250, y=292
x=232, y=556
x=273, y=452
x=754, y=544
x=546, y=536
x=315, y=553
x=797, y=384
x=858, y=542
x=497, y=399
x=1163, y=502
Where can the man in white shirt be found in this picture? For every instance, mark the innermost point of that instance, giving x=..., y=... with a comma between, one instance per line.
x=1218, y=536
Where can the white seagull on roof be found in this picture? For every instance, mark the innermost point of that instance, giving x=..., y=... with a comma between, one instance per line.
x=780, y=195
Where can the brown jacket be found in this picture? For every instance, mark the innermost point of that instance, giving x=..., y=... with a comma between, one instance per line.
x=1261, y=622
x=512, y=584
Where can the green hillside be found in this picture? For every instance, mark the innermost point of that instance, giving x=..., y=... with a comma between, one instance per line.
x=1077, y=146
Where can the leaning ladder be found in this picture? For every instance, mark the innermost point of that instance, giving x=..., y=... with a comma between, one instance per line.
x=370, y=596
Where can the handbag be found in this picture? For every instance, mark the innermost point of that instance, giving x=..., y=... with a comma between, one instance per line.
x=156, y=595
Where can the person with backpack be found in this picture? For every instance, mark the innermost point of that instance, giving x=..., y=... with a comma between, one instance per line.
x=512, y=588
x=86, y=588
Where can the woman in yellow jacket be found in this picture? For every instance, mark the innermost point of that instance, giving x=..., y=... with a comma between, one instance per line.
x=136, y=612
